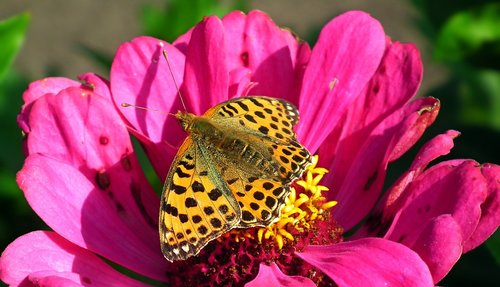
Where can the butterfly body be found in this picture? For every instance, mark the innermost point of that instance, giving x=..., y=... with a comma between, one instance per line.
x=233, y=171
x=229, y=146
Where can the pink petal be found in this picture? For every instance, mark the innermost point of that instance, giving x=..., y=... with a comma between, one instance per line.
x=395, y=198
x=38, y=89
x=428, y=114
x=445, y=188
x=369, y=262
x=91, y=217
x=140, y=76
x=348, y=52
x=272, y=276
x=87, y=171
x=490, y=208
x=439, y=245
x=45, y=86
x=50, y=280
x=257, y=43
x=206, y=77
x=47, y=259
x=393, y=85
x=458, y=190
x=303, y=57
x=182, y=42
x=97, y=84
x=234, y=29
x=363, y=183
x=436, y=147
x=240, y=82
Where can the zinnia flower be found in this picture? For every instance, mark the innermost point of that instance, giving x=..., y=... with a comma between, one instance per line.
x=354, y=92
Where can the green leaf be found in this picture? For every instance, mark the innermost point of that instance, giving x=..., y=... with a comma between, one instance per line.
x=11, y=159
x=179, y=16
x=12, y=33
x=470, y=32
x=438, y=12
x=479, y=97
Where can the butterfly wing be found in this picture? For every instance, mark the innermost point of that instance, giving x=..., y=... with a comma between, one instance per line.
x=266, y=124
x=261, y=203
x=196, y=204
x=257, y=113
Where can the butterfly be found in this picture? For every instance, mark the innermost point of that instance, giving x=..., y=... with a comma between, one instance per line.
x=234, y=170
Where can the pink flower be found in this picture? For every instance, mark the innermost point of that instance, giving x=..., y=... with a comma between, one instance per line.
x=353, y=91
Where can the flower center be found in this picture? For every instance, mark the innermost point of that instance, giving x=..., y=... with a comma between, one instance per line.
x=234, y=258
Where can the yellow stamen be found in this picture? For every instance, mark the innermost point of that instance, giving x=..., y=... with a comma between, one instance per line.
x=279, y=240
x=328, y=205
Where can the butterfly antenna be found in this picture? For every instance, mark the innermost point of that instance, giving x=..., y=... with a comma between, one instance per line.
x=127, y=105
x=173, y=78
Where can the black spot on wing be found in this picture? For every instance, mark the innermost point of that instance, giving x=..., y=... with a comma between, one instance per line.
x=268, y=185
x=231, y=107
x=250, y=118
x=190, y=202
x=202, y=230
x=214, y=194
x=178, y=189
x=208, y=210
x=227, y=111
x=196, y=219
x=256, y=102
x=258, y=195
x=270, y=202
x=247, y=216
x=186, y=165
x=260, y=114
x=197, y=187
x=181, y=173
x=216, y=223
x=183, y=218
x=264, y=130
x=254, y=206
x=242, y=105
x=223, y=209
x=265, y=214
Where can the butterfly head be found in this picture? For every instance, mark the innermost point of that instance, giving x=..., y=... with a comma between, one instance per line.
x=185, y=119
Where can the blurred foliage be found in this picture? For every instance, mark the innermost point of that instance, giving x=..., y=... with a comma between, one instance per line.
x=469, y=34
x=104, y=60
x=12, y=33
x=178, y=16
x=171, y=21
x=470, y=42
x=17, y=217
x=493, y=245
x=465, y=37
